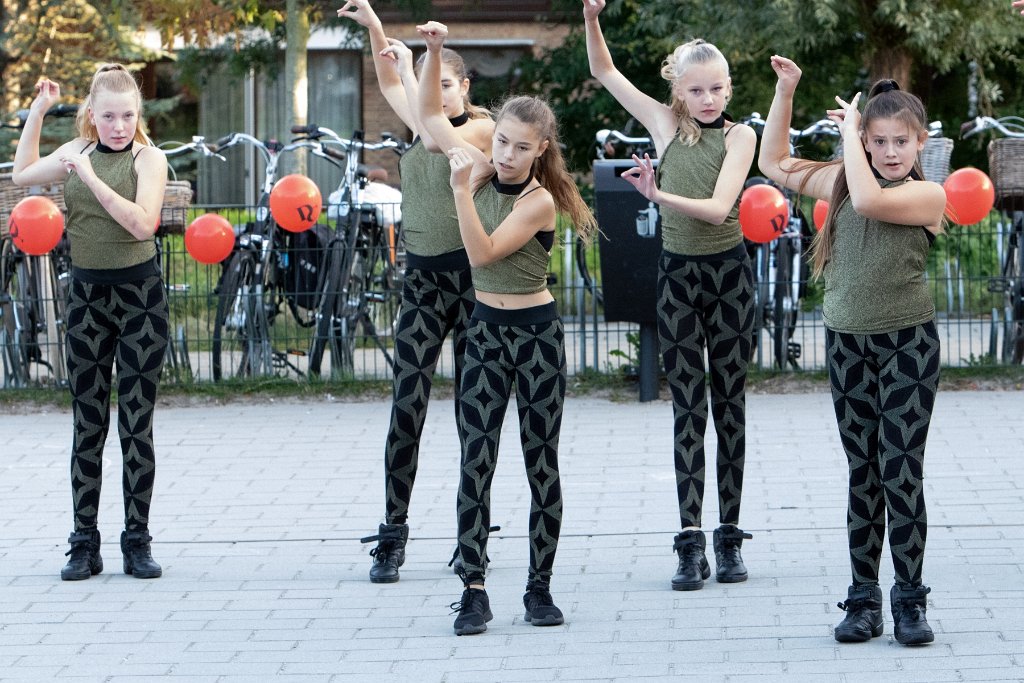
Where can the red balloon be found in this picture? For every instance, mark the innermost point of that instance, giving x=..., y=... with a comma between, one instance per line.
x=36, y=225
x=295, y=202
x=969, y=196
x=210, y=238
x=763, y=213
x=820, y=213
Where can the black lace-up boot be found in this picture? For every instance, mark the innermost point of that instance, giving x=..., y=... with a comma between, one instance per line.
x=863, y=620
x=474, y=612
x=540, y=608
x=729, y=566
x=389, y=554
x=909, y=604
x=693, y=563
x=85, y=556
x=138, y=558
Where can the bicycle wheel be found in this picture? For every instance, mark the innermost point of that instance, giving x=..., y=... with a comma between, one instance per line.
x=782, y=321
x=760, y=262
x=14, y=317
x=352, y=309
x=1015, y=294
x=327, y=307
x=241, y=336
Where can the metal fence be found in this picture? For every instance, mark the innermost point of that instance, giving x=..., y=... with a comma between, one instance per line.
x=976, y=313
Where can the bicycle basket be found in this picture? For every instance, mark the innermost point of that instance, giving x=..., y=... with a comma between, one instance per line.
x=935, y=159
x=174, y=214
x=1006, y=168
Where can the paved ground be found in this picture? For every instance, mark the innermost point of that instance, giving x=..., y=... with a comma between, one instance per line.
x=259, y=510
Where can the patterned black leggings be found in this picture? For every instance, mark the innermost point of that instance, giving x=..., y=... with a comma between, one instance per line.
x=883, y=387
x=525, y=348
x=433, y=304
x=707, y=301
x=126, y=323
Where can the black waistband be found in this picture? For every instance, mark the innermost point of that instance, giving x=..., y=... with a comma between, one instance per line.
x=117, y=276
x=534, y=315
x=453, y=260
x=737, y=253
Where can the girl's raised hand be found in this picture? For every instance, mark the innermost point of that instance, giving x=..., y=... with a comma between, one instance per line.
x=592, y=8
x=847, y=116
x=642, y=177
x=47, y=94
x=462, y=167
x=399, y=54
x=788, y=73
x=360, y=12
x=434, y=33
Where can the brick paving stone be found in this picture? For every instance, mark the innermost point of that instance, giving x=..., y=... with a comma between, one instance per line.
x=259, y=510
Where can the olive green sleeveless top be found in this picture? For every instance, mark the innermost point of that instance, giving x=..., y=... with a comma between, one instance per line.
x=875, y=281
x=98, y=242
x=524, y=271
x=430, y=223
x=692, y=171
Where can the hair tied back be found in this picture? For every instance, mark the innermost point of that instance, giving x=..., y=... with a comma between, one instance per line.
x=885, y=85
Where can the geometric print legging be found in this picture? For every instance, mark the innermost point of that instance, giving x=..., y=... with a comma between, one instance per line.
x=529, y=353
x=883, y=388
x=707, y=301
x=434, y=303
x=126, y=323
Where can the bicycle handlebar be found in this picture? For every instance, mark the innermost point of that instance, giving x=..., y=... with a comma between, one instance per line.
x=198, y=144
x=1010, y=126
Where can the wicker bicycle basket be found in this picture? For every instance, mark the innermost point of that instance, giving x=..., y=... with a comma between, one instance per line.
x=1006, y=168
x=173, y=216
x=935, y=159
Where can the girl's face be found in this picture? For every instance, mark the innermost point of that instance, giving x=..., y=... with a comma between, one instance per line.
x=514, y=148
x=453, y=91
x=116, y=117
x=893, y=147
x=704, y=89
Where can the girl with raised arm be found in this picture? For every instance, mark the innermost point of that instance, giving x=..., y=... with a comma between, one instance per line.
x=507, y=212
x=883, y=348
x=117, y=312
x=705, y=284
x=437, y=291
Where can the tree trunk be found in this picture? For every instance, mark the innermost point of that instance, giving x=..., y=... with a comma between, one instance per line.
x=296, y=79
x=893, y=62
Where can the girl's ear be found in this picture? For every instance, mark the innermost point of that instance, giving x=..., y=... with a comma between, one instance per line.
x=464, y=87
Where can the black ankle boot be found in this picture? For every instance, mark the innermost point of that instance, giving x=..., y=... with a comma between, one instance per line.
x=540, y=608
x=863, y=620
x=693, y=564
x=729, y=566
x=389, y=554
x=909, y=604
x=85, y=556
x=138, y=558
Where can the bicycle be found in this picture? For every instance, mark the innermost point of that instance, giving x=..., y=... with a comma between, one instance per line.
x=33, y=289
x=1006, y=168
x=780, y=267
x=362, y=275
x=252, y=284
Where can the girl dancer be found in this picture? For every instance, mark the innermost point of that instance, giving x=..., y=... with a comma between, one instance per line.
x=883, y=349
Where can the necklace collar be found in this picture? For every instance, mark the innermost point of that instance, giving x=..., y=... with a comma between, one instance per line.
x=100, y=147
x=717, y=123
x=459, y=120
x=511, y=188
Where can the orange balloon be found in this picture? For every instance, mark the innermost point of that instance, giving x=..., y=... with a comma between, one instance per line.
x=820, y=213
x=210, y=238
x=36, y=225
x=763, y=213
x=295, y=202
x=969, y=196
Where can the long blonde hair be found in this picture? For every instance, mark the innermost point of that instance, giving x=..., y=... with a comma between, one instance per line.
x=696, y=51
x=549, y=168
x=454, y=61
x=885, y=101
x=112, y=78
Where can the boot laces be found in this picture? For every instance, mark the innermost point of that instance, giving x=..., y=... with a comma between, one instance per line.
x=470, y=597
x=82, y=545
x=538, y=595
